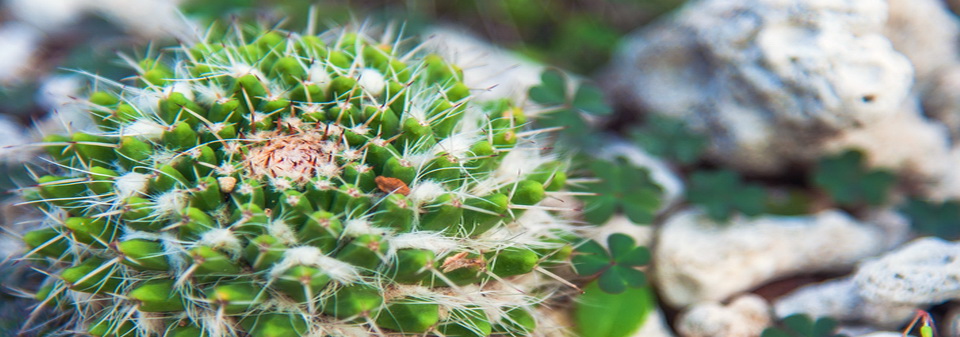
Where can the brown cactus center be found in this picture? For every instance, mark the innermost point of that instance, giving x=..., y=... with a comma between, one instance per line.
x=298, y=157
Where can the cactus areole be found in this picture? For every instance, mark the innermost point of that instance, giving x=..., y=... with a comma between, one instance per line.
x=277, y=184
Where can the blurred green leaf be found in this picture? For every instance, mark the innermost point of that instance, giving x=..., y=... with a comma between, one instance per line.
x=849, y=182
x=801, y=325
x=723, y=193
x=933, y=218
x=670, y=138
x=601, y=314
x=552, y=89
x=622, y=186
x=590, y=99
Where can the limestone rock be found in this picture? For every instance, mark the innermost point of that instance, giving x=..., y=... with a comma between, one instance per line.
x=745, y=316
x=768, y=80
x=925, y=271
x=696, y=259
x=927, y=33
x=841, y=300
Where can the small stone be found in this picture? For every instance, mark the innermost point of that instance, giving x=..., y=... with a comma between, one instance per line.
x=840, y=299
x=746, y=316
x=696, y=259
x=925, y=271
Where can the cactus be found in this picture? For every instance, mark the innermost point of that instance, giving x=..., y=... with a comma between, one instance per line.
x=281, y=184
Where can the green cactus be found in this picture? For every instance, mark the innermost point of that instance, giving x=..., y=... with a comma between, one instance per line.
x=268, y=183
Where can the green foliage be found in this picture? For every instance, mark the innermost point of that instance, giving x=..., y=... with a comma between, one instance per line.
x=621, y=187
x=602, y=314
x=850, y=183
x=617, y=269
x=723, y=193
x=933, y=218
x=670, y=138
x=800, y=325
x=567, y=110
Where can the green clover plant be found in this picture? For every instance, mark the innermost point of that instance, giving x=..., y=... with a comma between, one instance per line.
x=723, y=193
x=621, y=187
x=850, y=183
x=801, y=325
x=670, y=138
x=617, y=268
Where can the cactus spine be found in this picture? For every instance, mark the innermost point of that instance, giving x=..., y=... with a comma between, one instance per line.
x=268, y=183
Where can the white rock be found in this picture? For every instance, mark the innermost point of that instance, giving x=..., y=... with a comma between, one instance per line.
x=927, y=33
x=904, y=141
x=840, y=300
x=767, y=79
x=697, y=260
x=654, y=326
x=925, y=271
x=745, y=316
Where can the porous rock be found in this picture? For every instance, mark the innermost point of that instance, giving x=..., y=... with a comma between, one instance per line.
x=745, y=316
x=696, y=259
x=925, y=271
x=840, y=299
x=770, y=81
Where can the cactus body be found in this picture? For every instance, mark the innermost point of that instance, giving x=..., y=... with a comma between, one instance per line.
x=289, y=185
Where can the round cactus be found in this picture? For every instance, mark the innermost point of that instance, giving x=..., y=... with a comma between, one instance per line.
x=280, y=184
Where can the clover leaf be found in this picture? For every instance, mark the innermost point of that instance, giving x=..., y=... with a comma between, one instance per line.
x=552, y=89
x=850, y=183
x=800, y=325
x=621, y=187
x=617, y=268
x=932, y=218
x=723, y=193
x=670, y=138
x=567, y=111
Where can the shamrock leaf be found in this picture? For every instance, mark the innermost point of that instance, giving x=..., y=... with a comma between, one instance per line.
x=566, y=111
x=722, y=193
x=670, y=138
x=939, y=219
x=850, y=183
x=552, y=89
x=617, y=268
x=590, y=99
x=622, y=187
x=800, y=325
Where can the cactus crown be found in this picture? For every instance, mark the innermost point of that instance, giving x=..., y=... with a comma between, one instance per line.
x=278, y=184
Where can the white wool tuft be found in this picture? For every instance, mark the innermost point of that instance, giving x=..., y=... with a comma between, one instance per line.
x=131, y=184
x=318, y=75
x=457, y=145
x=221, y=238
x=357, y=227
x=425, y=191
x=172, y=202
x=312, y=256
x=371, y=81
x=282, y=232
x=144, y=128
x=436, y=242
